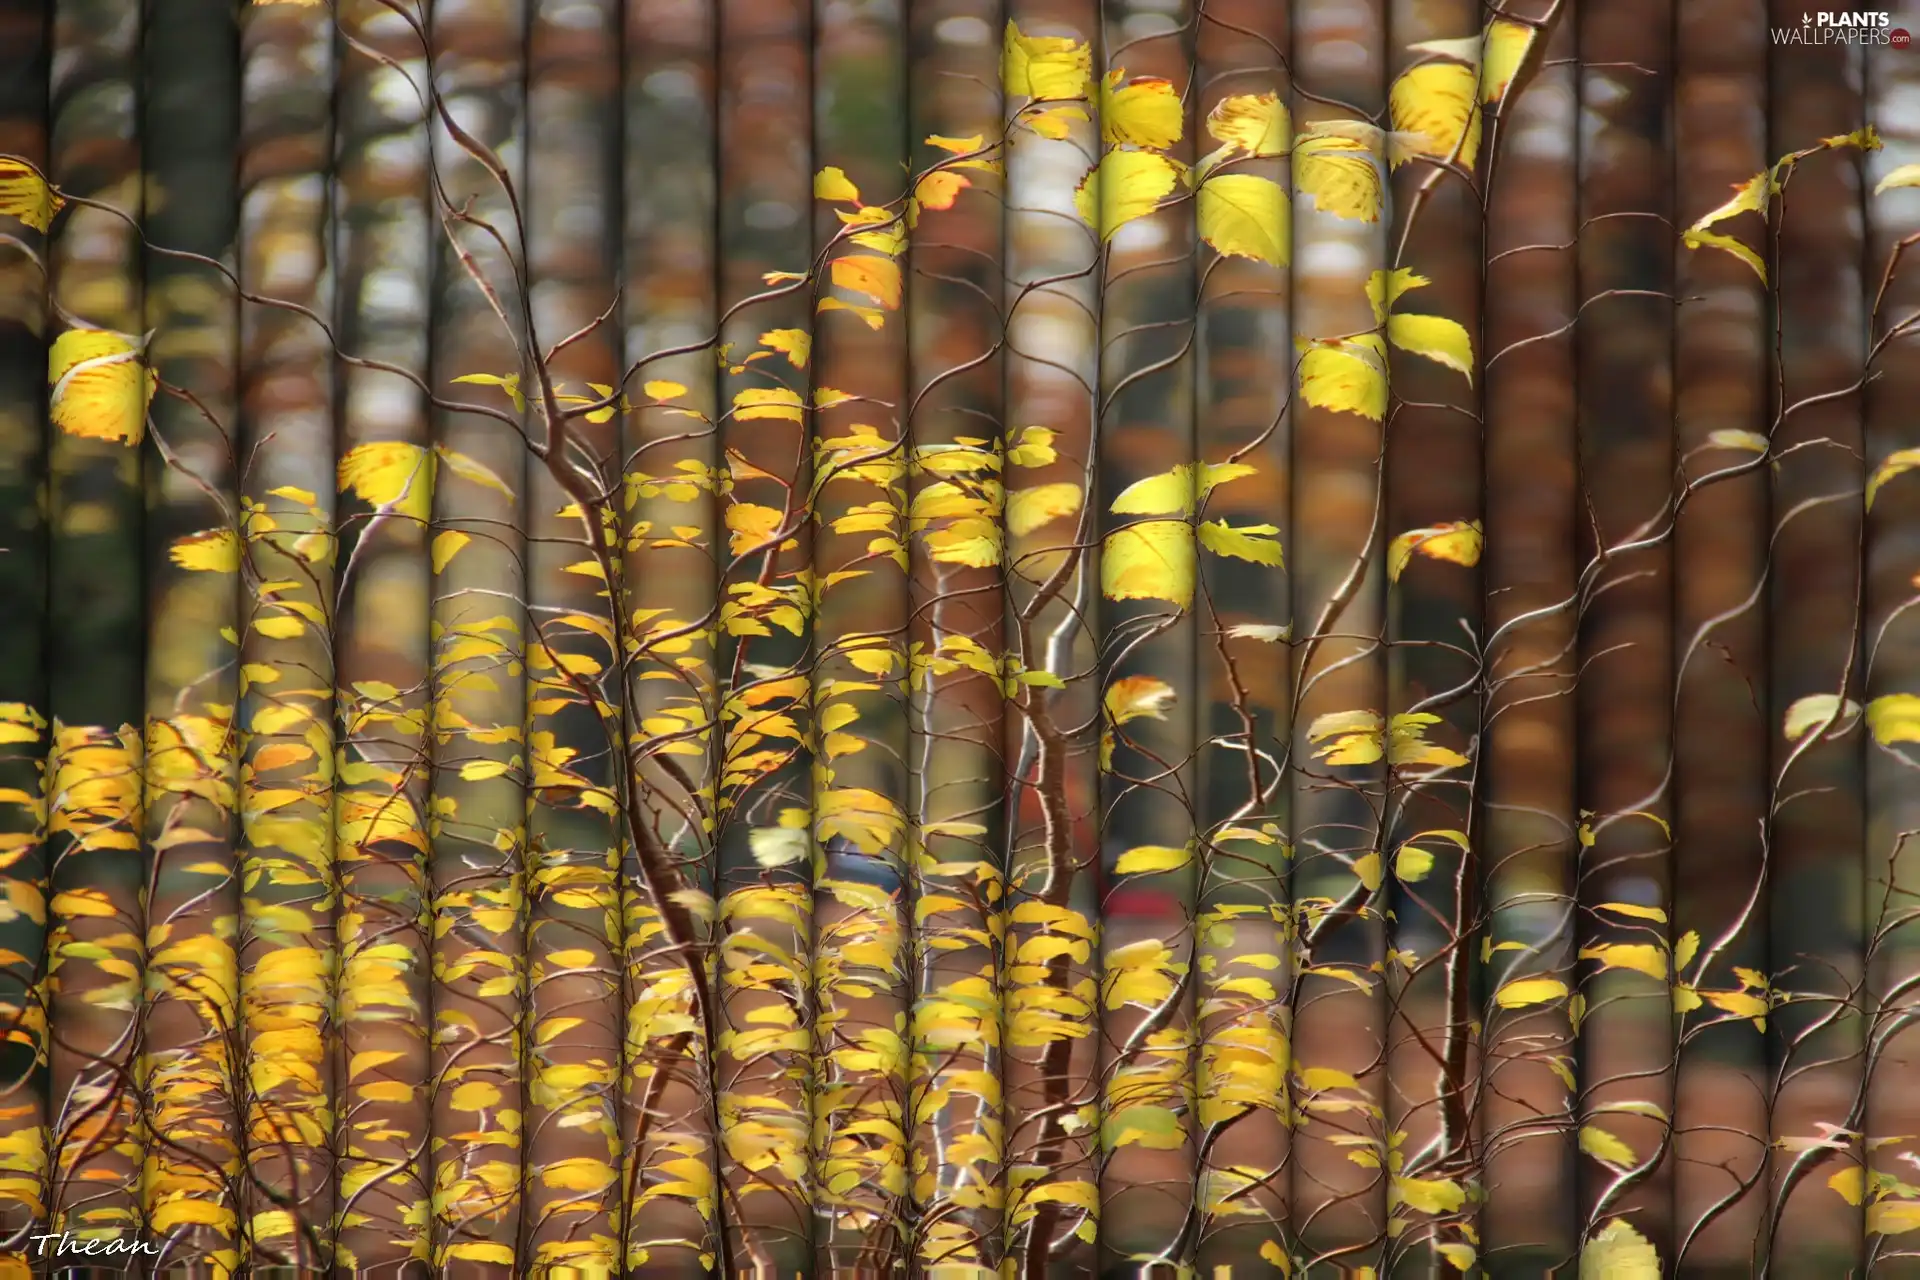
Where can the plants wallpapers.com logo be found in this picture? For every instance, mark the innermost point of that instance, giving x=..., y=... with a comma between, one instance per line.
x=1861, y=27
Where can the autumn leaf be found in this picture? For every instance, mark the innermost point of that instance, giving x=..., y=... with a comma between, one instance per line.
x=1145, y=111
x=1148, y=859
x=1138, y=697
x=1523, y=993
x=1894, y=717
x=795, y=344
x=25, y=195
x=1456, y=543
x=877, y=278
x=389, y=474
x=1151, y=560
x=1251, y=542
x=1437, y=101
x=446, y=545
x=100, y=388
x=509, y=383
x=1029, y=509
x=209, y=551
x=1254, y=123
x=1044, y=68
x=831, y=183
x=1618, y=1252
x=1606, y=1148
x=1817, y=709
x=1897, y=463
x=1340, y=174
x=1243, y=215
x=1125, y=185
x=1346, y=375
x=1357, y=737
x=1907, y=175
x=1498, y=52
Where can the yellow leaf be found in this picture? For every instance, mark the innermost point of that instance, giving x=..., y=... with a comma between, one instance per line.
x=939, y=189
x=1148, y=858
x=1340, y=174
x=1125, y=185
x=1357, y=737
x=751, y=525
x=1850, y=1183
x=1522, y=992
x=209, y=551
x=767, y=402
x=481, y=770
x=1029, y=509
x=1438, y=101
x=1407, y=744
x=1749, y=441
x=446, y=546
x=579, y=1173
x=1435, y=338
x=831, y=183
x=1456, y=543
x=1045, y=68
x=1169, y=493
x=1606, y=1148
x=1817, y=709
x=467, y=469
x=1256, y=123
x=1902, y=460
x=1135, y=697
x=1907, y=175
x=1894, y=717
x=1271, y=1251
x=1429, y=1195
x=509, y=384
x=1145, y=111
x=1243, y=215
x=877, y=278
x=795, y=344
x=389, y=473
x=661, y=389
x=1254, y=542
x=1460, y=1257
x=1694, y=238
x=1152, y=560
x=100, y=388
x=1893, y=1217
x=1618, y=1252
x=1685, y=949
x=1412, y=864
x=1345, y=375
x=25, y=195
x=1498, y=52
x=1367, y=869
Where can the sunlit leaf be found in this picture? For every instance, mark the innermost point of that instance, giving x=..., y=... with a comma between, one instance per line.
x=1456, y=543
x=1817, y=709
x=209, y=551
x=1346, y=375
x=100, y=387
x=877, y=278
x=1896, y=463
x=25, y=195
x=1244, y=215
x=1340, y=174
x=1252, y=542
x=1618, y=1252
x=1254, y=123
x=1907, y=175
x=1438, y=101
x=1151, y=560
x=1138, y=697
x=1149, y=858
x=1029, y=509
x=1606, y=1148
x=1522, y=993
x=446, y=545
x=1145, y=111
x=831, y=183
x=1045, y=68
x=1125, y=185
x=1894, y=717
x=391, y=474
